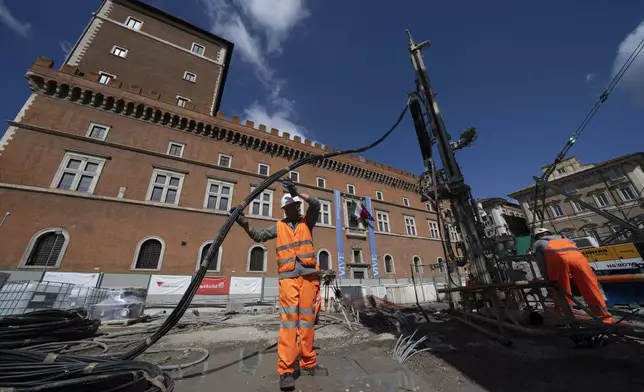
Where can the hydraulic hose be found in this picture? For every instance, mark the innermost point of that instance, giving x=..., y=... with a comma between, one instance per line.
x=184, y=303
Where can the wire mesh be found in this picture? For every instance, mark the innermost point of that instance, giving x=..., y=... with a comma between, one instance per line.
x=25, y=296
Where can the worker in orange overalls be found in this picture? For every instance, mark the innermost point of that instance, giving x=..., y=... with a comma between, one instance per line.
x=299, y=283
x=558, y=258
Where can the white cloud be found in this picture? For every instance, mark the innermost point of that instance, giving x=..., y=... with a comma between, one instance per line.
x=633, y=79
x=277, y=18
x=279, y=119
x=258, y=28
x=66, y=47
x=590, y=77
x=7, y=18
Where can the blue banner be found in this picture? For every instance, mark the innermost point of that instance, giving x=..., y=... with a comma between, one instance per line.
x=372, y=242
x=339, y=232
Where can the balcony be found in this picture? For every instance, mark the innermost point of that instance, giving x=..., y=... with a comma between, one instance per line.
x=355, y=232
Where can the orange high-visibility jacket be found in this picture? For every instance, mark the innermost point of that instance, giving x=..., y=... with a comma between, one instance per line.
x=560, y=247
x=294, y=243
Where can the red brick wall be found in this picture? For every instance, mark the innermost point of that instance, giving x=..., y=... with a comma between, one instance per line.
x=166, y=30
x=104, y=234
x=152, y=64
x=403, y=250
x=75, y=119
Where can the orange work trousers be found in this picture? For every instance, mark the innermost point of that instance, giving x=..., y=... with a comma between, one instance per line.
x=318, y=303
x=561, y=266
x=297, y=313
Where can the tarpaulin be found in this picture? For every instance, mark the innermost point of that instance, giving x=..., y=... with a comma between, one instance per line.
x=169, y=284
x=86, y=280
x=214, y=286
x=245, y=285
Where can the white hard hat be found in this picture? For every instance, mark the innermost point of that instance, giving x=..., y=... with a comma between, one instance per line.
x=288, y=199
x=540, y=230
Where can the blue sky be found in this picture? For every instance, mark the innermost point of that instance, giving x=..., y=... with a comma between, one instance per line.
x=525, y=74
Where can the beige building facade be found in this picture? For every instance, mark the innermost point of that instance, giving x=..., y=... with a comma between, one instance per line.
x=615, y=186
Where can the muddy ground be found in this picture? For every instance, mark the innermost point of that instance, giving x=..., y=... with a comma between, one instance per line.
x=243, y=358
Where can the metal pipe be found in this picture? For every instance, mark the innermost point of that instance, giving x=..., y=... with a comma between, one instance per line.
x=413, y=280
x=625, y=329
x=526, y=317
x=485, y=331
x=529, y=331
x=621, y=278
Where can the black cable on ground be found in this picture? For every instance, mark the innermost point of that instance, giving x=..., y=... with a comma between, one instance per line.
x=45, y=326
x=184, y=303
x=67, y=347
x=26, y=371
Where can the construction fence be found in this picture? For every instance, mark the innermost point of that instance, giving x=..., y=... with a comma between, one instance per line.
x=217, y=291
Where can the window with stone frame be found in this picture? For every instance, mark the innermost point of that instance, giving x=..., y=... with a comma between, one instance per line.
x=383, y=221
x=46, y=250
x=78, y=172
x=389, y=264
x=218, y=195
x=149, y=255
x=165, y=187
x=263, y=204
x=257, y=259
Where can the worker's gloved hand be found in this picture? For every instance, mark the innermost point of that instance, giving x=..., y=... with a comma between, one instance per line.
x=289, y=185
x=241, y=219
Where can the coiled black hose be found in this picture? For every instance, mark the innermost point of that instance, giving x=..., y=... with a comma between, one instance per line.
x=45, y=326
x=183, y=304
x=29, y=371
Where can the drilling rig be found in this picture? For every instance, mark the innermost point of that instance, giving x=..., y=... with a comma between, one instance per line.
x=448, y=183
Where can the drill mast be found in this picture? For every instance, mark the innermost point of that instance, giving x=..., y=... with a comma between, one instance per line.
x=449, y=184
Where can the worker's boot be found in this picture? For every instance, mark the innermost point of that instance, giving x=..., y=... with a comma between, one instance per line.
x=287, y=382
x=316, y=370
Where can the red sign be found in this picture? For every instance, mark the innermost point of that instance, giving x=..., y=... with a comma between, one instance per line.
x=214, y=286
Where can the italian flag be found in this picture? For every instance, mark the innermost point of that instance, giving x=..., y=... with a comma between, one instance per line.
x=359, y=211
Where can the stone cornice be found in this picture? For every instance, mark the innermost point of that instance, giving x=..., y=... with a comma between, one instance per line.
x=637, y=157
x=150, y=107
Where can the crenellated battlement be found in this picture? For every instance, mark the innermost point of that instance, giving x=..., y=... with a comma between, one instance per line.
x=150, y=105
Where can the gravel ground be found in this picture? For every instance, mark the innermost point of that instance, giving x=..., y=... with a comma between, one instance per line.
x=242, y=357
x=530, y=365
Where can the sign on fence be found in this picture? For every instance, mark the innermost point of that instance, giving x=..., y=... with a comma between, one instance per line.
x=214, y=286
x=168, y=284
x=245, y=285
x=80, y=279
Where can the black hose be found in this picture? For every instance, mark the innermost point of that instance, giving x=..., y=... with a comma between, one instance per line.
x=184, y=303
x=45, y=326
x=27, y=371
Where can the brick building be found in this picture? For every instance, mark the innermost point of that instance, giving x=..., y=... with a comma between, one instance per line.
x=116, y=166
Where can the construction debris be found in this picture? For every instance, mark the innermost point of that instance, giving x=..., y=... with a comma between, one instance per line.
x=405, y=348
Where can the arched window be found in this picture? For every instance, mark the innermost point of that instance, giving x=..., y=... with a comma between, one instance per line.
x=324, y=259
x=256, y=259
x=418, y=267
x=149, y=254
x=389, y=264
x=46, y=249
x=214, y=265
x=441, y=265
